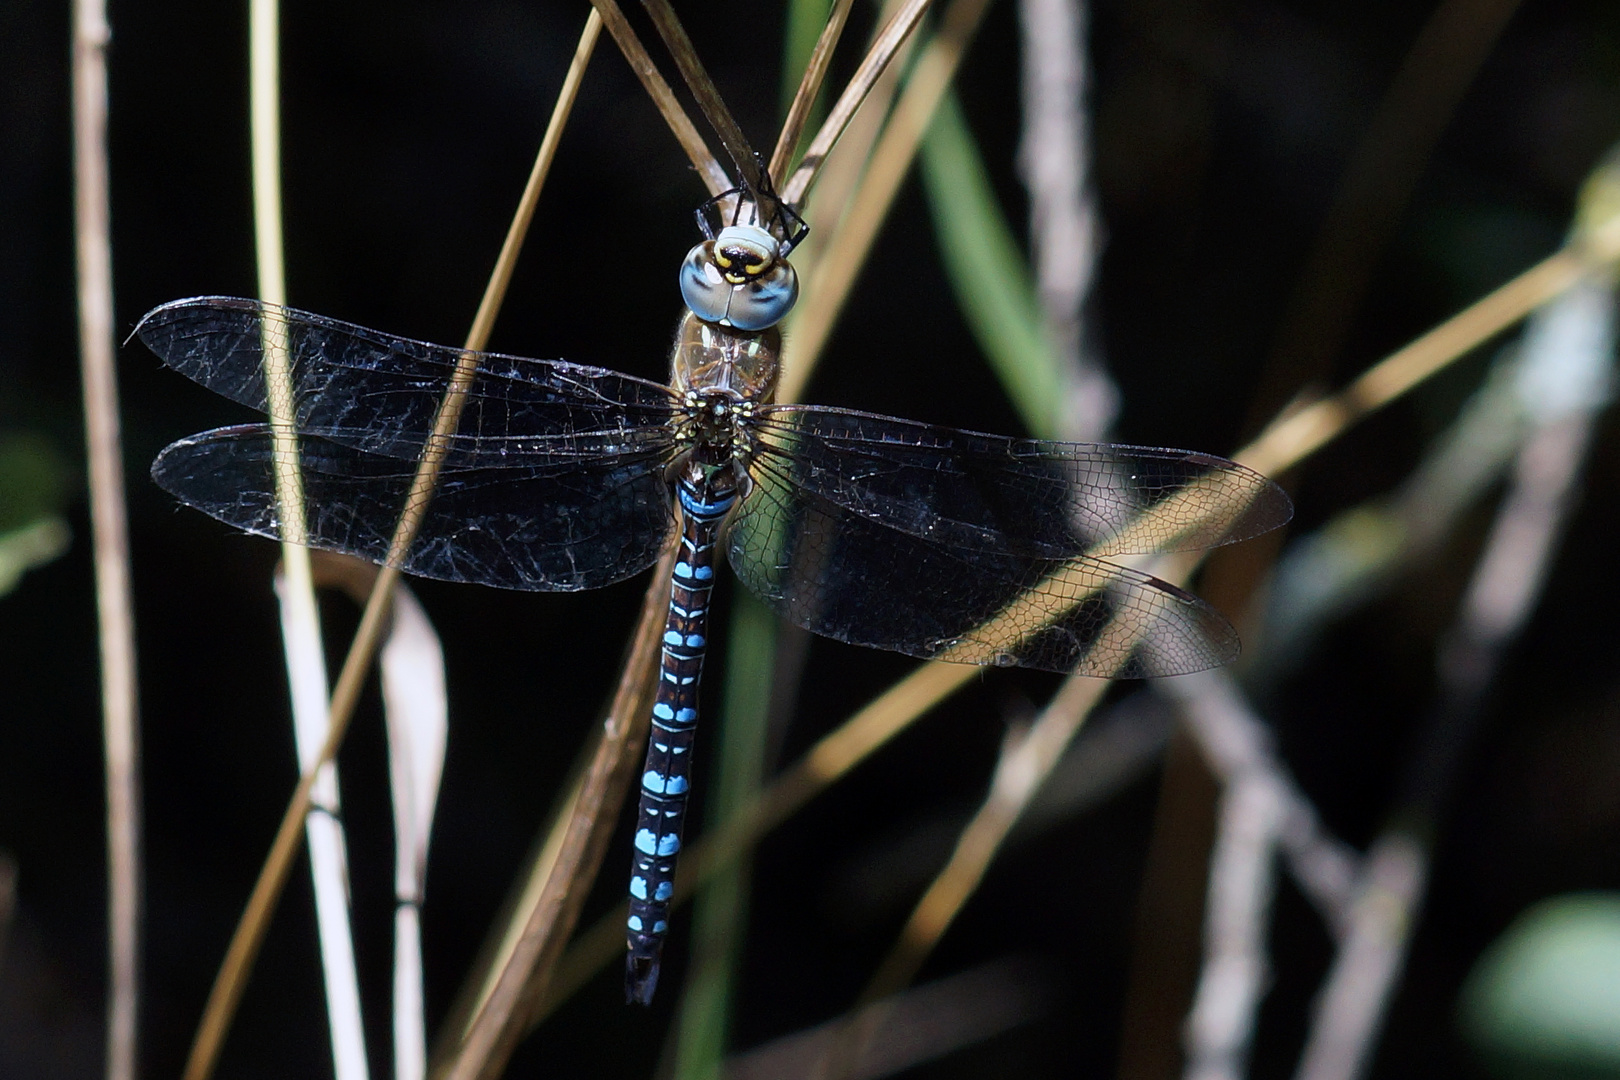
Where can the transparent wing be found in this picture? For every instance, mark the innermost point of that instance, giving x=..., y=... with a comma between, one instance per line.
x=1021, y=496
x=378, y=392
x=580, y=522
x=852, y=577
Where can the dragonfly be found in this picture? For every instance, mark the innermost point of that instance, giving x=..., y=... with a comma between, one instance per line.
x=929, y=541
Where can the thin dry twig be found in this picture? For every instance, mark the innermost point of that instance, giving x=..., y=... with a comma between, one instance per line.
x=804, y=98
x=917, y=1026
x=228, y=985
x=523, y=979
x=1242, y=883
x=884, y=46
x=1024, y=766
x=703, y=89
x=1237, y=744
x=1294, y=436
x=115, y=605
x=1064, y=228
x=835, y=274
x=1502, y=595
x=686, y=133
x=300, y=618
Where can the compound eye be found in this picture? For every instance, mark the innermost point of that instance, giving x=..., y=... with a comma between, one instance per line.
x=755, y=304
x=703, y=287
x=765, y=301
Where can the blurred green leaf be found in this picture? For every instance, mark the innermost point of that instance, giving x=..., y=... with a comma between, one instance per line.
x=1544, y=999
x=989, y=273
x=35, y=481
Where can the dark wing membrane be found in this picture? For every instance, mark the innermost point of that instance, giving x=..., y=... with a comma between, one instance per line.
x=579, y=524
x=846, y=576
x=1023, y=497
x=379, y=392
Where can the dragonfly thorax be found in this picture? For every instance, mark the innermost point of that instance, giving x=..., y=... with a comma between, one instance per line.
x=707, y=356
x=715, y=425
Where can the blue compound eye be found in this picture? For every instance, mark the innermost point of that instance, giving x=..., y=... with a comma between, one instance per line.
x=764, y=301
x=703, y=287
x=738, y=280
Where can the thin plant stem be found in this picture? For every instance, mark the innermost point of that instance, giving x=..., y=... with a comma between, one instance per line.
x=109, y=521
x=884, y=46
x=686, y=133
x=846, y=252
x=804, y=98
x=703, y=89
x=229, y=984
x=300, y=616
x=1024, y=766
x=1294, y=436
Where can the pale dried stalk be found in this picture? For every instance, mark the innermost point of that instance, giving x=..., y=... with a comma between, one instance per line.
x=300, y=618
x=523, y=979
x=244, y=947
x=1065, y=230
x=1023, y=768
x=809, y=86
x=846, y=252
x=884, y=47
x=697, y=80
x=1502, y=595
x=1292, y=437
x=686, y=133
x=115, y=606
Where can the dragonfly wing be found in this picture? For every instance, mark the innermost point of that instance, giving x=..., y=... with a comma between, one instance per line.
x=1021, y=496
x=579, y=523
x=848, y=576
x=380, y=393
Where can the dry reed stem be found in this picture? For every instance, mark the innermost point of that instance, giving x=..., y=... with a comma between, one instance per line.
x=1024, y=766
x=1294, y=436
x=295, y=585
x=588, y=826
x=840, y=175
x=884, y=46
x=846, y=252
x=686, y=133
x=809, y=86
x=115, y=605
x=697, y=80
x=232, y=978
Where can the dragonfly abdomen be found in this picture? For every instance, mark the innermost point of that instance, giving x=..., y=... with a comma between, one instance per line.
x=665, y=783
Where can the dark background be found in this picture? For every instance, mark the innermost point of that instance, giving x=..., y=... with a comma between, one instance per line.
x=1223, y=128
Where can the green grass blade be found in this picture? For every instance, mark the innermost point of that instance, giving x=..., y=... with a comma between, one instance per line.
x=989, y=272
x=720, y=911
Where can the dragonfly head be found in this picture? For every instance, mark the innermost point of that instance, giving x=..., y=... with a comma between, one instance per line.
x=740, y=279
